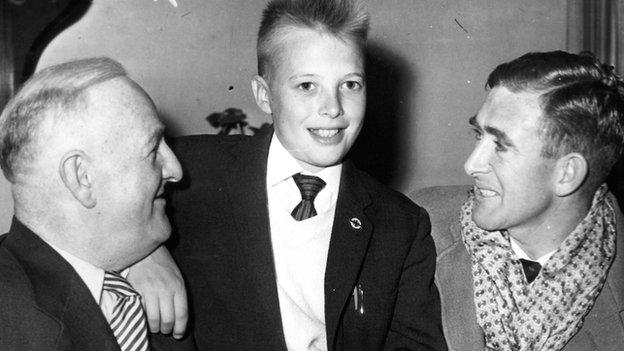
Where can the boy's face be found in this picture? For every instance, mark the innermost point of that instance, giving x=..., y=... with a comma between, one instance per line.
x=316, y=95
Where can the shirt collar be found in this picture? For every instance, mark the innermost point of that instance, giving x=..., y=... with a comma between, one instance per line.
x=521, y=254
x=281, y=165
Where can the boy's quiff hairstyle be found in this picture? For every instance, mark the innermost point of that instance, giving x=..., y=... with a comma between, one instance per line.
x=582, y=103
x=343, y=18
x=52, y=93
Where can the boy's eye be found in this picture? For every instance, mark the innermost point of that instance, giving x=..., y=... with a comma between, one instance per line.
x=306, y=86
x=352, y=85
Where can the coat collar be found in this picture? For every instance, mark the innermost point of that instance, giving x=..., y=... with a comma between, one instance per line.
x=59, y=293
x=351, y=234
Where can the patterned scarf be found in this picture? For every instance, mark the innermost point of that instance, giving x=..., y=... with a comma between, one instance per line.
x=546, y=314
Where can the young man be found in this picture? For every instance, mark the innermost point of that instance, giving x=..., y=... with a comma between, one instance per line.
x=541, y=232
x=284, y=244
x=83, y=148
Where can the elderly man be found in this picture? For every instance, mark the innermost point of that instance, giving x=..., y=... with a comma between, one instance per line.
x=83, y=149
x=535, y=260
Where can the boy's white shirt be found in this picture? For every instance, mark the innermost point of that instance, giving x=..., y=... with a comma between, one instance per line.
x=300, y=248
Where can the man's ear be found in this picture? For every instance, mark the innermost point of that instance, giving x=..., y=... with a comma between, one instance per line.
x=260, y=89
x=74, y=171
x=570, y=173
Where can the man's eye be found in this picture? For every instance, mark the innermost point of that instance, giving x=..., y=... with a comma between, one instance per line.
x=306, y=86
x=500, y=147
x=352, y=85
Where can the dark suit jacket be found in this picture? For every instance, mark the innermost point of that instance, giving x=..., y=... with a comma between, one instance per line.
x=603, y=329
x=225, y=251
x=45, y=305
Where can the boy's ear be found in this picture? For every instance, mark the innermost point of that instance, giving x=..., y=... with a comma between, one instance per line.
x=74, y=171
x=262, y=94
x=570, y=173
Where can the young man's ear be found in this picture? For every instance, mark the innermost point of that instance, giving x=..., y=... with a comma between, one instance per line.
x=74, y=171
x=260, y=88
x=570, y=173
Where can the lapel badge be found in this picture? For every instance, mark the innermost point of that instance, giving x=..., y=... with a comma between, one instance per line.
x=355, y=223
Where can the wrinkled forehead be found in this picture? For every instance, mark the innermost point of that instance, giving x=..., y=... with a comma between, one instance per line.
x=505, y=109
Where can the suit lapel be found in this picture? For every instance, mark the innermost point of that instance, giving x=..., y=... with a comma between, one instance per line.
x=350, y=236
x=60, y=293
x=248, y=196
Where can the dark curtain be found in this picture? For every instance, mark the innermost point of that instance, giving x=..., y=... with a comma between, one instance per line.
x=593, y=25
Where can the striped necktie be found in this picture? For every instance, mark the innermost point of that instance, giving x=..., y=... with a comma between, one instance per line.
x=309, y=186
x=127, y=319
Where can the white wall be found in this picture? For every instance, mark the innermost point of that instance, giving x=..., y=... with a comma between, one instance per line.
x=198, y=58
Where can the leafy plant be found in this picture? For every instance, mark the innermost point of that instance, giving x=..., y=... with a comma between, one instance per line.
x=233, y=119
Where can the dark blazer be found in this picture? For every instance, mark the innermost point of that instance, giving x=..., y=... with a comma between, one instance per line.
x=603, y=329
x=45, y=305
x=224, y=250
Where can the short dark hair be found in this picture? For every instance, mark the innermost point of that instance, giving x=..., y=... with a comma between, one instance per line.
x=582, y=103
x=342, y=18
x=51, y=93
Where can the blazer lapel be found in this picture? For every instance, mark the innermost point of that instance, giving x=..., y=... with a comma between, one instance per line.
x=454, y=281
x=60, y=293
x=350, y=236
x=249, y=198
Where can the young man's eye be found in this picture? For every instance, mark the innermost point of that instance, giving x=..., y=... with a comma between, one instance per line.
x=500, y=147
x=306, y=86
x=352, y=85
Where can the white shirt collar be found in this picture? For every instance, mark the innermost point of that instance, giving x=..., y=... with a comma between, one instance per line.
x=515, y=246
x=281, y=165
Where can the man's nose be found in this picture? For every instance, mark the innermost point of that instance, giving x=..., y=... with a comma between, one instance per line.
x=478, y=161
x=171, y=170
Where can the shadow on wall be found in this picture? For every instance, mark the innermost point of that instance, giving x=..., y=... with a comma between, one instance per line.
x=389, y=83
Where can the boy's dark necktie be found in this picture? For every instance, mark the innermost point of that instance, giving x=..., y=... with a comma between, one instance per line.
x=127, y=319
x=531, y=269
x=309, y=186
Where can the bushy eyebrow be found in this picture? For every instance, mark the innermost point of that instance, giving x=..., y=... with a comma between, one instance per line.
x=156, y=135
x=501, y=136
x=473, y=122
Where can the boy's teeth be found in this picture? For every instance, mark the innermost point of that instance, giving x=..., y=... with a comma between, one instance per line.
x=325, y=133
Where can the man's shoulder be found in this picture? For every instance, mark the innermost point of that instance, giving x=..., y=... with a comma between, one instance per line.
x=14, y=282
x=443, y=203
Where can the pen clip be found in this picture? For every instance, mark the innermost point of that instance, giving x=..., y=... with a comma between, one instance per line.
x=358, y=299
